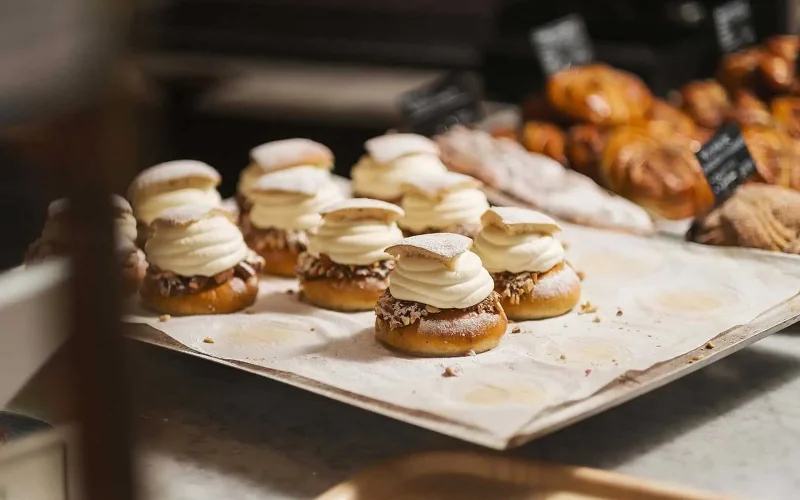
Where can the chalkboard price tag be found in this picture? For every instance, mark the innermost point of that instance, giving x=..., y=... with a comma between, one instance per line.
x=432, y=109
x=733, y=23
x=726, y=162
x=561, y=44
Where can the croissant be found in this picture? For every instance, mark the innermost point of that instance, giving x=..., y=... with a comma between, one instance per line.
x=777, y=67
x=546, y=139
x=665, y=116
x=585, y=145
x=755, y=216
x=657, y=171
x=750, y=110
x=706, y=102
x=739, y=70
x=785, y=46
x=786, y=111
x=599, y=94
x=776, y=155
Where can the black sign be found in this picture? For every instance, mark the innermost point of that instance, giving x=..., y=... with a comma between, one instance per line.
x=432, y=109
x=726, y=161
x=561, y=44
x=733, y=23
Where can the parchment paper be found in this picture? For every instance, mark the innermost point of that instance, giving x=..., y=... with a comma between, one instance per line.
x=655, y=300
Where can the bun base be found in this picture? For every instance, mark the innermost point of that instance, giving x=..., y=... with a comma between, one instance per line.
x=280, y=262
x=346, y=295
x=231, y=296
x=448, y=333
x=541, y=302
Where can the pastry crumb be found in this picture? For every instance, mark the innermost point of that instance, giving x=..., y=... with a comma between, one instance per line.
x=290, y=292
x=709, y=345
x=565, y=244
x=581, y=275
x=516, y=329
x=562, y=357
x=471, y=353
x=587, y=307
x=208, y=340
x=313, y=329
x=587, y=372
x=249, y=311
x=696, y=358
x=164, y=318
x=452, y=371
x=619, y=312
x=597, y=319
x=431, y=309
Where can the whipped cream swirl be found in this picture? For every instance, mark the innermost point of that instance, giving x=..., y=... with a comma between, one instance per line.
x=150, y=207
x=463, y=207
x=517, y=253
x=464, y=284
x=383, y=180
x=354, y=242
x=291, y=211
x=202, y=248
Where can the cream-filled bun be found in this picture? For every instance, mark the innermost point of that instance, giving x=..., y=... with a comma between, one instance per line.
x=447, y=202
x=391, y=160
x=441, y=300
x=279, y=155
x=527, y=263
x=55, y=240
x=346, y=267
x=285, y=208
x=199, y=263
x=173, y=184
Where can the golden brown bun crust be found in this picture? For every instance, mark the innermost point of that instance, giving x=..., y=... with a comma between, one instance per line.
x=280, y=262
x=538, y=305
x=231, y=296
x=445, y=334
x=344, y=295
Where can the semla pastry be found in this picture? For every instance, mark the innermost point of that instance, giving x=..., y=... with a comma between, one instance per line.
x=199, y=264
x=169, y=185
x=391, y=160
x=445, y=203
x=346, y=267
x=527, y=263
x=285, y=207
x=441, y=301
x=279, y=155
x=55, y=241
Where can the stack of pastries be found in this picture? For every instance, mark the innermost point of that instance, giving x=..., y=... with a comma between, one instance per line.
x=604, y=123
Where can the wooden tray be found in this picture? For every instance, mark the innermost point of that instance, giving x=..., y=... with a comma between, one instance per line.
x=466, y=476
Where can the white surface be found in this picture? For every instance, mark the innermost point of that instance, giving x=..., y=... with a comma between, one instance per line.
x=211, y=432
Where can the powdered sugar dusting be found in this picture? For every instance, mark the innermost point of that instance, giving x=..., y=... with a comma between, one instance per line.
x=362, y=208
x=302, y=180
x=556, y=284
x=276, y=155
x=120, y=205
x=172, y=171
x=436, y=246
x=188, y=214
x=386, y=148
x=435, y=186
x=515, y=220
x=468, y=326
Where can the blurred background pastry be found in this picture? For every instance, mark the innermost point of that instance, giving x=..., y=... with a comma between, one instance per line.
x=345, y=267
x=776, y=156
x=391, y=160
x=55, y=241
x=599, y=94
x=169, y=185
x=546, y=139
x=285, y=208
x=755, y=216
x=707, y=102
x=199, y=264
x=527, y=263
x=445, y=203
x=441, y=301
x=283, y=154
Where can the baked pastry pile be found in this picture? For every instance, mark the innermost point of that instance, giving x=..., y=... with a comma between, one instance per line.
x=604, y=123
